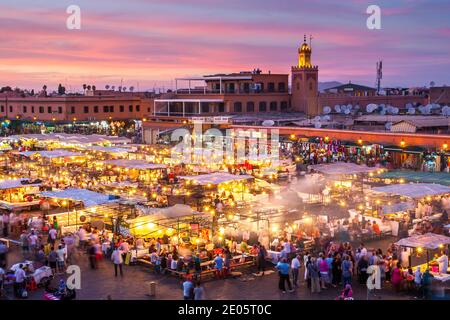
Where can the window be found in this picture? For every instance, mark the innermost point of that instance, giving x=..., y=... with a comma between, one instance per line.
x=105, y=109
x=237, y=107
x=205, y=107
x=138, y=108
x=2, y=108
x=281, y=87
x=49, y=109
x=262, y=106
x=86, y=109
x=10, y=109
x=41, y=109
x=32, y=109
x=148, y=110
x=24, y=109
x=111, y=108
x=273, y=106
x=221, y=107
x=250, y=106
x=95, y=109
x=59, y=110
x=284, y=105
x=130, y=108
x=121, y=108
x=72, y=109
x=271, y=87
x=246, y=87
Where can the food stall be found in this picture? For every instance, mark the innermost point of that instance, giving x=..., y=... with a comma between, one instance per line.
x=81, y=205
x=428, y=242
x=19, y=194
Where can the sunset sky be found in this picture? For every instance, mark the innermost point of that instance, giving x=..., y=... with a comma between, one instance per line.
x=151, y=42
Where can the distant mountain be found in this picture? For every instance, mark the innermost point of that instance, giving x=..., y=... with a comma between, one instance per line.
x=330, y=84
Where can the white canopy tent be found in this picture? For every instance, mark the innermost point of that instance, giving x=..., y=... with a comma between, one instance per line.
x=51, y=154
x=17, y=183
x=429, y=241
x=215, y=178
x=111, y=150
x=414, y=190
x=135, y=164
x=89, y=198
x=340, y=168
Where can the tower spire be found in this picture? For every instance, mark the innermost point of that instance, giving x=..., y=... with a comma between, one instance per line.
x=304, y=38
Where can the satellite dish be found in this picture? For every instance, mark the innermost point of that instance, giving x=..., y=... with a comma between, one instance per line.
x=317, y=118
x=347, y=111
x=337, y=108
x=326, y=118
x=326, y=109
x=349, y=107
x=317, y=125
x=388, y=125
x=432, y=84
x=395, y=110
x=371, y=107
x=408, y=105
x=411, y=111
x=383, y=112
x=446, y=111
x=268, y=123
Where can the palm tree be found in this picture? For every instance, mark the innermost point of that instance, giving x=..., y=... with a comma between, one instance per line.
x=84, y=87
x=113, y=88
x=107, y=87
x=120, y=88
x=93, y=88
x=89, y=87
x=131, y=89
x=124, y=88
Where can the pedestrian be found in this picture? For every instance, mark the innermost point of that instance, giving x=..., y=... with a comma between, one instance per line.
x=117, y=259
x=61, y=252
x=261, y=262
x=33, y=242
x=218, y=261
x=396, y=277
x=347, y=270
x=24, y=243
x=3, y=254
x=283, y=272
x=199, y=292
x=5, y=221
x=337, y=270
x=52, y=259
x=52, y=235
x=323, y=269
x=188, y=289
x=19, y=282
x=295, y=266
x=92, y=254
x=314, y=274
x=2, y=279
x=427, y=279
x=362, y=266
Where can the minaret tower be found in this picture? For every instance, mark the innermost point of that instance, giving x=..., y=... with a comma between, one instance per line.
x=305, y=83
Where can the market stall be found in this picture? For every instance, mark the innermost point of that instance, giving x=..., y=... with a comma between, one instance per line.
x=19, y=194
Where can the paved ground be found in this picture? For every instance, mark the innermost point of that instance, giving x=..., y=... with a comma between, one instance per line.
x=98, y=284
